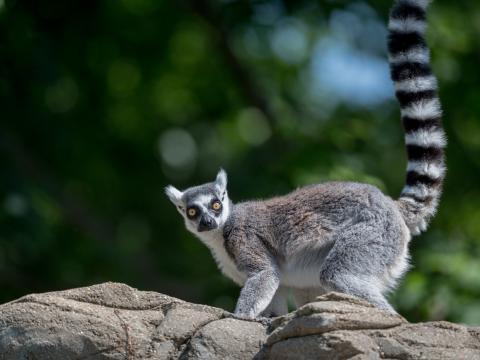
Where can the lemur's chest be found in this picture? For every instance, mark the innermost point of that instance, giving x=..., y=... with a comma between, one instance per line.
x=226, y=264
x=224, y=261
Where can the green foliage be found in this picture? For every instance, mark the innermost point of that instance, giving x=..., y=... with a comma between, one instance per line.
x=105, y=103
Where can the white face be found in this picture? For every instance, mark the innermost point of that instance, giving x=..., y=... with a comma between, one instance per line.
x=205, y=208
x=206, y=212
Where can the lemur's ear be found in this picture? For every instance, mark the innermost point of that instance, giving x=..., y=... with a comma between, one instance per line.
x=174, y=195
x=221, y=181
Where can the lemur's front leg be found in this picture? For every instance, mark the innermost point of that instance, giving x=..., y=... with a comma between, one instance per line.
x=252, y=257
x=257, y=293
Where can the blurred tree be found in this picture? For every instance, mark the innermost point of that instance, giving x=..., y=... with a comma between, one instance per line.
x=105, y=103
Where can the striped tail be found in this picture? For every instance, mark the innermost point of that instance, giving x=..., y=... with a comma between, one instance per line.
x=416, y=91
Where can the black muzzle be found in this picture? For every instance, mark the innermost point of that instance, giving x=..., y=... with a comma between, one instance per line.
x=207, y=223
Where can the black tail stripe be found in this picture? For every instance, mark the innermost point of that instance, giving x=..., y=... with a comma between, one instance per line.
x=429, y=154
x=404, y=10
x=414, y=178
x=408, y=70
x=407, y=98
x=400, y=42
x=411, y=124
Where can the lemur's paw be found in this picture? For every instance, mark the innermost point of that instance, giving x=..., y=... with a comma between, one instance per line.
x=266, y=321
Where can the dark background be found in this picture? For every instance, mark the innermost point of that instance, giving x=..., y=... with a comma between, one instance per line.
x=103, y=103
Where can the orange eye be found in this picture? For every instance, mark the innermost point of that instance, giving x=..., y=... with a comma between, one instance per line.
x=191, y=212
x=216, y=205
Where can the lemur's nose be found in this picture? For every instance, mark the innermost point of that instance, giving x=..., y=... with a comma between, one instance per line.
x=206, y=223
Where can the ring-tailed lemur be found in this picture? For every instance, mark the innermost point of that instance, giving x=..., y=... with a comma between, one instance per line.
x=339, y=236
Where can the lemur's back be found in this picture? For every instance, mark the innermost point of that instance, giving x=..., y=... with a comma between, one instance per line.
x=315, y=214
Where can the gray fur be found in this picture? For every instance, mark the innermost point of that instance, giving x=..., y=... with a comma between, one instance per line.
x=336, y=236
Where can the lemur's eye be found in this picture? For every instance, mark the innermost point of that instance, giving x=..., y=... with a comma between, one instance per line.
x=216, y=205
x=191, y=212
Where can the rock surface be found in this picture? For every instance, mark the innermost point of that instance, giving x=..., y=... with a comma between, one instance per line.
x=115, y=321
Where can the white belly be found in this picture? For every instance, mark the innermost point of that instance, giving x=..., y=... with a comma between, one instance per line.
x=303, y=269
x=301, y=278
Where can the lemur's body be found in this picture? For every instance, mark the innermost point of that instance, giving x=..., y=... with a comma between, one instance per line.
x=339, y=236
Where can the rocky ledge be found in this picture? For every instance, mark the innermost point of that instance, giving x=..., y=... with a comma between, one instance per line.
x=115, y=321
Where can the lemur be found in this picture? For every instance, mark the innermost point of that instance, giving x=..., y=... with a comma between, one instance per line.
x=335, y=236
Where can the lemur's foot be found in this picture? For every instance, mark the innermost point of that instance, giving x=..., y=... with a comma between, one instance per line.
x=266, y=321
x=262, y=320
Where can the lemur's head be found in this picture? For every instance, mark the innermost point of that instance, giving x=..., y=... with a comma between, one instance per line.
x=205, y=207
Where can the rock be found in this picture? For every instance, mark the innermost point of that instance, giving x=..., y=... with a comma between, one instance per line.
x=338, y=326
x=115, y=321
x=227, y=339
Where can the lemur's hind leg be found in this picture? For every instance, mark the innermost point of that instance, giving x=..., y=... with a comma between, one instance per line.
x=305, y=296
x=279, y=304
x=363, y=288
x=358, y=260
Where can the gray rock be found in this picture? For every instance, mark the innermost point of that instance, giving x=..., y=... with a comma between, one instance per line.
x=228, y=339
x=338, y=326
x=115, y=321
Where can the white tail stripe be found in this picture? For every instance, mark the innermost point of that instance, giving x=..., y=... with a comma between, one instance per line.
x=417, y=54
x=423, y=109
x=426, y=138
x=417, y=84
x=407, y=25
x=420, y=3
x=435, y=171
x=420, y=191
